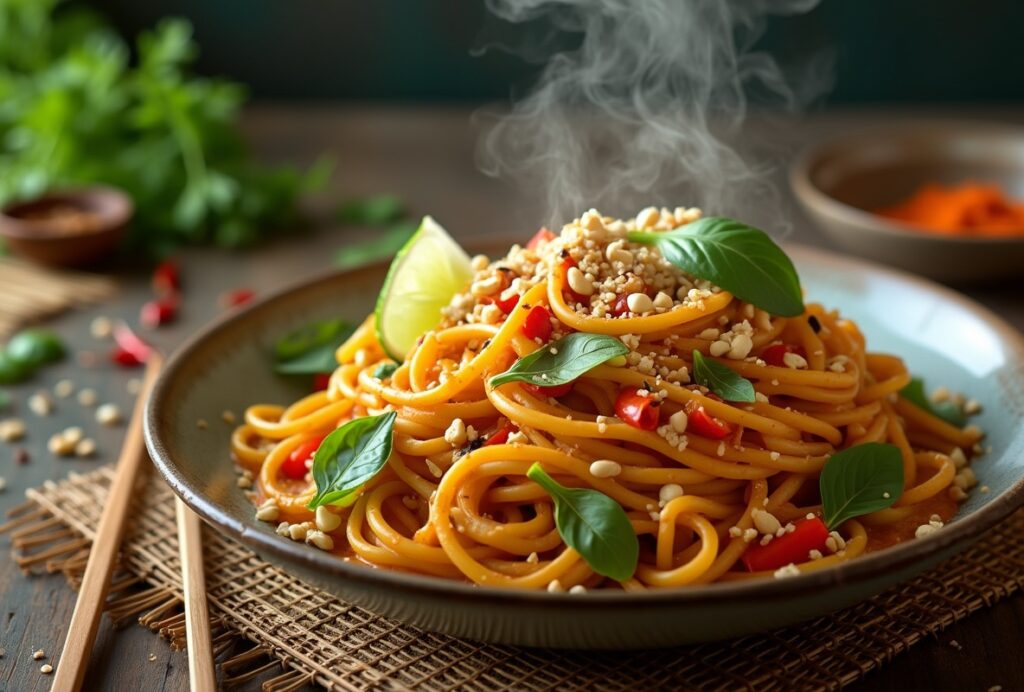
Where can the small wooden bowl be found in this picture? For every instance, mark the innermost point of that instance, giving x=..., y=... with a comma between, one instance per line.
x=841, y=180
x=68, y=228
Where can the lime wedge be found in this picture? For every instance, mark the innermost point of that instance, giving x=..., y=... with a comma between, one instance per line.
x=425, y=274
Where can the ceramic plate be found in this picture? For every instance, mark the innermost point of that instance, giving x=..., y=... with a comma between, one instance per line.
x=943, y=336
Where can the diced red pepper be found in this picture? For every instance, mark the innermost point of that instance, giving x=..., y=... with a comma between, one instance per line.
x=294, y=466
x=236, y=297
x=636, y=410
x=500, y=436
x=130, y=350
x=554, y=391
x=321, y=381
x=507, y=305
x=789, y=548
x=620, y=307
x=537, y=324
x=539, y=238
x=158, y=312
x=776, y=354
x=702, y=423
x=166, y=278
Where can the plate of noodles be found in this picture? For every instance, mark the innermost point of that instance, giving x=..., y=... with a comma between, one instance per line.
x=635, y=433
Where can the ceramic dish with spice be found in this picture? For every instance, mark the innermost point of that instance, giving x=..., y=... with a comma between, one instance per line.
x=942, y=199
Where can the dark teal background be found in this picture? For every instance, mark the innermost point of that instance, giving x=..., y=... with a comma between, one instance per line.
x=415, y=50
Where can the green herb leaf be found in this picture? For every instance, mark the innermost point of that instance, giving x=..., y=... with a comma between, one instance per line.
x=574, y=355
x=946, y=410
x=5, y=400
x=741, y=259
x=372, y=211
x=382, y=246
x=860, y=480
x=594, y=525
x=310, y=349
x=721, y=379
x=350, y=457
x=385, y=370
x=35, y=347
x=13, y=371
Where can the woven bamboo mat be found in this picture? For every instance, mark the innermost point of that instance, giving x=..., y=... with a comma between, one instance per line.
x=314, y=637
x=29, y=293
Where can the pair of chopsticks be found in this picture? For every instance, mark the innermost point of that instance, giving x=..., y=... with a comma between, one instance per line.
x=93, y=593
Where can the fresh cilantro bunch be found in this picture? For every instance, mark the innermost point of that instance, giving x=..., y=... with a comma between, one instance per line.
x=76, y=109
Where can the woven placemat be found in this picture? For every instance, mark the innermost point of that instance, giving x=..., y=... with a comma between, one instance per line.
x=29, y=293
x=314, y=637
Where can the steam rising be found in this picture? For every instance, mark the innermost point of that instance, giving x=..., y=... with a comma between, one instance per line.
x=645, y=109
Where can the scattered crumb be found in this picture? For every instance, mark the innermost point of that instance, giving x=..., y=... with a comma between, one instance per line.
x=12, y=430
x=202, y=424
x=228, y=417
x=956, y=645
x=87, y=397
x=3, y=484
x=85, y=448
x=39, y=654
x=40, y=404
x=108, y=414
x=64, y=389
x=46, y=669
x=101, y=328
x=21, y=456
x=134, y=385
x=152, y=657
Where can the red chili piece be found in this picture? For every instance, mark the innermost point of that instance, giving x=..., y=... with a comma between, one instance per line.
x=166, y=278
x=237, y=297
x=294, y=466
x=537, y=324
x=704, y=424
x=539, y=238
x=789, y=548
x=129, y=350
x=776, y=354
x=639, y=411
x=500, y=436
x=159, y=312
x=321, y=381
x=553, y=391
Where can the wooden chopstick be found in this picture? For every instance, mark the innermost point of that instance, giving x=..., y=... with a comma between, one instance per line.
x=197, y=621
x=92, y=595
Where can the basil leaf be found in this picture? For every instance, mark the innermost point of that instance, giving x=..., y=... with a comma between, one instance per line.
x=13, y=371
x=310, y=349
x=35, y=347
x=375, y=210
x=574, y=355
x=308, y=337
x=946, y=410
x=385, y=370
x=594, y=525
x=860, y=480
x=382, y=246
x=721, y=379
x=350, y=457
x=741, y=259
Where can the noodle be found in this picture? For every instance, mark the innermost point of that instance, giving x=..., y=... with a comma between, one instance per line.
x=452, y=502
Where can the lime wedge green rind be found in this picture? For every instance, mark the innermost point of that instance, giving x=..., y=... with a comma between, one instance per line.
x=429, y=269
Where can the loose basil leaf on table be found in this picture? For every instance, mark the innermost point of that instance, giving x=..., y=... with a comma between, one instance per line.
x=575, y=354
x=594, y=525
x=350, y=457
x=859, y=480
x=310, y=349
x=741, y=259
x=35, y=347
x=721, y=379
x=13, y=371
x=946, y=410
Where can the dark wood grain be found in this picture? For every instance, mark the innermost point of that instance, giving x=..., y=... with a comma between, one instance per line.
x=426, y=156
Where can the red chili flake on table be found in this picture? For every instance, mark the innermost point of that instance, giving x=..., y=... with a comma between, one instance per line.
x=537, y=324
x=21, y=456
x=166, y=278
x=130, y=350
x=161, y=311
x=236, y=297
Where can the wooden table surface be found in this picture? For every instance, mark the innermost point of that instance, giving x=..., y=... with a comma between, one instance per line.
x=426, y=156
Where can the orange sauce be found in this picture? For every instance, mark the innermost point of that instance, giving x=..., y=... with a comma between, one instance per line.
x=967, y=209
x=885, y=535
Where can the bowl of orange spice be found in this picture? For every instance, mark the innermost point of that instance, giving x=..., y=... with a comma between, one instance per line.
x=942, y=199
